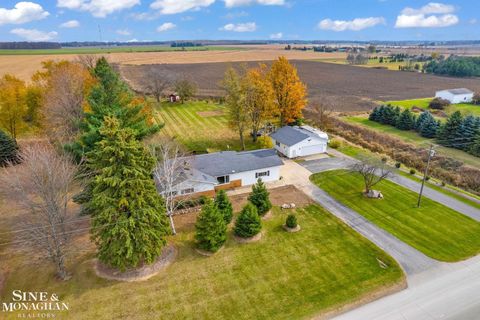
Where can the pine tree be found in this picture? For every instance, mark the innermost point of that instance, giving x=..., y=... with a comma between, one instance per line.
x=8, y=149
x=429, y=128
x=260, y=197
x=224, y=206
x=406, y=120
x=129, y=223
x=475, y=148
x=248, y=223
x=211, y=230
x=375, y=114
x=448, y=131
x=466, y=133
x=424, y=117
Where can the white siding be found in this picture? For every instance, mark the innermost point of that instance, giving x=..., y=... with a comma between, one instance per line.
x=248, y=177
x=454, y=98
x=197, y=186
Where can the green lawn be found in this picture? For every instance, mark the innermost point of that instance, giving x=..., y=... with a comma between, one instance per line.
x=434, y=229
x=200, y=126
x=413, y=137
x=283, y=276
x=112, y=49
x=464, y=108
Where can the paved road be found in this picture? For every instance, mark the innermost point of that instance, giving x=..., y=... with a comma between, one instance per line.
x=340, y=162
x=412, y=261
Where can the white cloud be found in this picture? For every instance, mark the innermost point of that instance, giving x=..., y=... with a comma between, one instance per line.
x=70, y=24
x=473, y=21
x=240, y=27
x=432, y=15
x=123, y=32
x=238, y=3
x=353, y=25
x=34, y=34
x=178, y=6
x=276, y=36
x=98, y=8
x=22, y=12
x=166, y=26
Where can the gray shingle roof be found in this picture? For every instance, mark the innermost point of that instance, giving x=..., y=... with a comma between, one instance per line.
x=288, y=136
x=460, y=91
x=228, y=162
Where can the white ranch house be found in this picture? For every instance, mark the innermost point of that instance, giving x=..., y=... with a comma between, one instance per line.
x=460, y=95
x=301, y=141
x=207, y=173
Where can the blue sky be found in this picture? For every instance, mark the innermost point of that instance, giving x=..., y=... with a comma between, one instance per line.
x=124, y=20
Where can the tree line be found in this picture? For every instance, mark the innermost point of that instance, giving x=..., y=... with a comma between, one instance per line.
x=458, y=131
x=258, y=95
x=455, y=66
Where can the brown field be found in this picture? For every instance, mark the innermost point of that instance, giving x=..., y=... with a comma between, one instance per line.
x=347, y=88
x=23, y=66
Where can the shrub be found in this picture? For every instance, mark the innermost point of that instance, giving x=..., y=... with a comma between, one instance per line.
x=413, y=171
x=476, y=98
x=334, y=144
x=248, y=222
x=265, y=142
x=398, y=165
x=210, y=229
x=260, y=197
x=438, y=104
x=443, y=184
x=384, y=159
x=8, y=149
x=291, y=221
x=427, y=178
x=224, y=206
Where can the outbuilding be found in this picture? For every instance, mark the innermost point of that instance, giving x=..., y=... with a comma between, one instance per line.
x=460, y=95
x=300, y=141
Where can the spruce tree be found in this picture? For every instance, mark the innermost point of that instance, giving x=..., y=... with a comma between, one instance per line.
x=429, y=128
x=248, y=223
x=466, y=133
x=475, y=147
x=260, y=197
x=406, y=120
x=424, y=117
x=449, y=131
x=224, y=206
x=211, y=230
x=129, y=223
x=8, y=149
x=375, y=114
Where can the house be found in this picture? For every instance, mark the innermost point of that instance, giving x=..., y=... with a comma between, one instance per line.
x=207, y=173
x=174, y=97
x=300, y=141
x=461, y=95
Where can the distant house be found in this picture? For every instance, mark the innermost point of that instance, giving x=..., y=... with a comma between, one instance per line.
x=460, y=95
x=207, y=173
x=300, y=141
x=174, y=97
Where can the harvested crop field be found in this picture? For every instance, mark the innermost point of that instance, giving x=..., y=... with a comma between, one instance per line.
x=24, y=66
x=347, y=88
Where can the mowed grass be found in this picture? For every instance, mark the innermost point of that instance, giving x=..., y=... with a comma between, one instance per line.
x=200, y=126
x=464, y=108
x=283, y=276
x=437, y=231
x=414, y=138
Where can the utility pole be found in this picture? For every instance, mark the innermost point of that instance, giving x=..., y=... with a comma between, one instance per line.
x=431, y=153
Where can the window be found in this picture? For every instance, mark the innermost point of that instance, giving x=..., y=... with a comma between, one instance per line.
x=188, y=190
x=172, y=193
x=277, y=143
x=262, y=174
x=223, y=179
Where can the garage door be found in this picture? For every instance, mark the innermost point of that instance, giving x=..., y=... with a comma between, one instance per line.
x=309, y=150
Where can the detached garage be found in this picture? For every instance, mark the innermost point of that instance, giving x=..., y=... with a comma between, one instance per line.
x=302, y=141
x=461, y=95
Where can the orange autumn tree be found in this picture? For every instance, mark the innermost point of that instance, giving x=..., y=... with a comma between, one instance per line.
x=13, y=104
x=290, y=93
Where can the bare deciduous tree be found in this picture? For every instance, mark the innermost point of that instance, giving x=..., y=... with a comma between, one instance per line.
x=323, y=112
x=42, y=185
x=87, y=60
x=156, y=84
x=372, y=171
x=169, y=173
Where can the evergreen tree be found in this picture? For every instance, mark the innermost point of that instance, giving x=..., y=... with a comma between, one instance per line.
x=406, y=120
x=129, y=223
x=475, y=148
x=429, y=128
x=466, y=133
x=449, y=131
x=224, y=206
x=8, y=149
x=211, y=230
x=260, y=197
x=375, y=114
x=424, y=117
x=248, y=222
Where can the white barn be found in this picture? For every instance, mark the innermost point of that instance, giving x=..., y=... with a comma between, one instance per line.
x=207, y=173
x=301, y=141
x=460, y=95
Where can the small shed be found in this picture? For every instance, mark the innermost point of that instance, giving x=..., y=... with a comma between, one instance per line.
x=460, y=95
x=300, y=141
x=174, y=97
